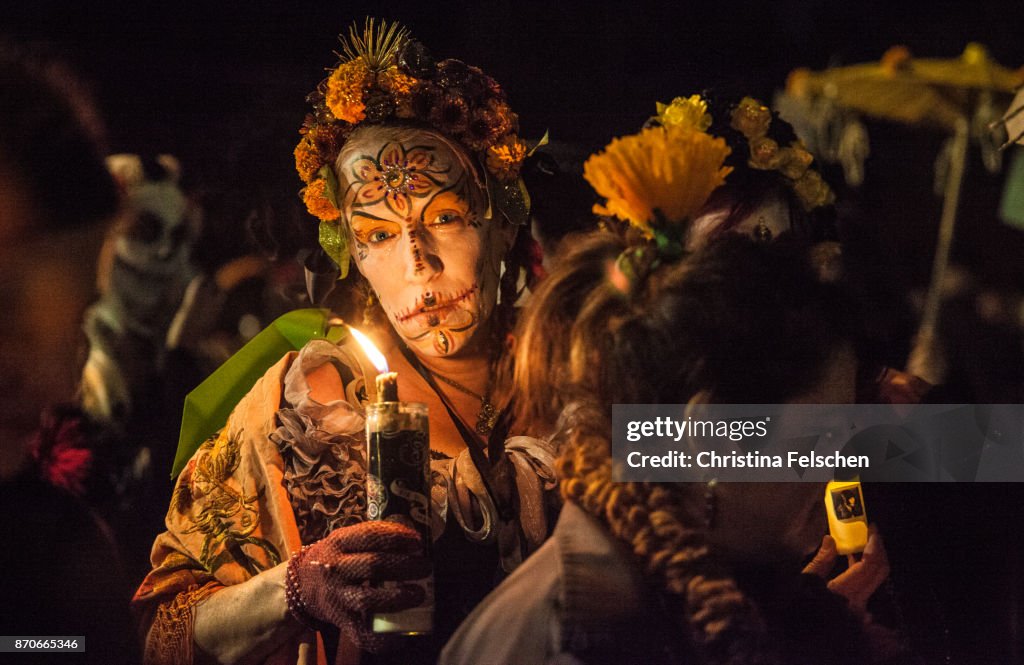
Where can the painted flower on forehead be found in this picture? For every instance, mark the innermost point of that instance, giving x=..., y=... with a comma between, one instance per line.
x=666, y=171
x=396, y=175
x=689, y=111
x=751, y=118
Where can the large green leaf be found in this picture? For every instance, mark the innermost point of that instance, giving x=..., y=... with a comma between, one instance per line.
x=208, y=406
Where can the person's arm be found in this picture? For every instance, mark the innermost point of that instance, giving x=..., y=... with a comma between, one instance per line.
x=245, y=622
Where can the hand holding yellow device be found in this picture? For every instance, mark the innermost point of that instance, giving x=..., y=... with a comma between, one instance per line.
x=847, y=518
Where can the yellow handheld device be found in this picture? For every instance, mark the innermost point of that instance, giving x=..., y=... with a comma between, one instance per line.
x=847, y=518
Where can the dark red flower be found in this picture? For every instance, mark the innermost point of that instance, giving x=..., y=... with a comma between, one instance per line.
x=61, y=450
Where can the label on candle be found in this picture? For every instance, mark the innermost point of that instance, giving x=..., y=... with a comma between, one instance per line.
x=398, y=477
x=398, y=489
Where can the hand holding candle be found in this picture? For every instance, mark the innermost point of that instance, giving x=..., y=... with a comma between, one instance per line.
x=398, y=479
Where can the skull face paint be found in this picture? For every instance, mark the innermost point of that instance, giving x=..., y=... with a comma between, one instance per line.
x=414, y=211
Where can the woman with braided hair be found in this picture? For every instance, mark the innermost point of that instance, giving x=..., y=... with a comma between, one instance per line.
x=674, y=572
x=412, y=167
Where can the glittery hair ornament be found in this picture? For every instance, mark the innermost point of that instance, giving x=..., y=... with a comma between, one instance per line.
x=656, y=181
x=758, y=138
x=384, y=76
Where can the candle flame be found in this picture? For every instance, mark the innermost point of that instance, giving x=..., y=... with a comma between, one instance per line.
x=375, y=356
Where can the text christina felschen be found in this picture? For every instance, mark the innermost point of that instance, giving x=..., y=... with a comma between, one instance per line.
x=664, y=427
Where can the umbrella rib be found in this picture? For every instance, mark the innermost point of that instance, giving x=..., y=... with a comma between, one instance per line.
x=1009, y=116
x=1012, y=141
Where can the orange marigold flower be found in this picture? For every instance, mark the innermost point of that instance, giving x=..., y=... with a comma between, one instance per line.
x=487, y=124
x=672, y=170
x=328, y=140
x=450, y=114
x=307, y=159
x=395, y=82
x=505, y=158
x=345, y=88
x=507, y=120
x=317, y=203
x=400, y=86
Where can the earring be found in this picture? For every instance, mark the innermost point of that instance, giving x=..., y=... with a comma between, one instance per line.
x=761, y=232
x=709, y=503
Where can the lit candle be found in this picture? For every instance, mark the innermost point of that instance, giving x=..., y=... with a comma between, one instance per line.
x=387, y=382
x=387, y=387
x=398, y=480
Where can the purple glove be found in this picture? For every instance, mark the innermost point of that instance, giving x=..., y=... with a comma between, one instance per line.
x=332, y=580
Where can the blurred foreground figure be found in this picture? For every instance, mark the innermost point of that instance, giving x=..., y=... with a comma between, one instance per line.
x=62, y=573
x=57, y=199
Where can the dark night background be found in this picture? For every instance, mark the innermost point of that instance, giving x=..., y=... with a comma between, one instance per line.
x=182, y=77
x=190, y=79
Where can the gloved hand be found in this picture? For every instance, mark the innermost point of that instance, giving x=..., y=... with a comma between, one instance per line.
x=334, y=580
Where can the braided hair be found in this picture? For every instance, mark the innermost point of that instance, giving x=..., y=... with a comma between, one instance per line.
x=726, y=316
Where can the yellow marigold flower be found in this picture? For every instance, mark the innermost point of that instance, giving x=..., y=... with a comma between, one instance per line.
x=307, y=159
x=669, y=169
x=317, y=203
x=689, y=111
x=505, y=158
x=345, y=88
x=752, y=118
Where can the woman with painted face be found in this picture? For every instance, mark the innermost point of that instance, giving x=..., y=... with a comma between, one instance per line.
x=412, y=168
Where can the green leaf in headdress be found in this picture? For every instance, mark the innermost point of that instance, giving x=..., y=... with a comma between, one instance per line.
x=335, y=242
x=332, y=234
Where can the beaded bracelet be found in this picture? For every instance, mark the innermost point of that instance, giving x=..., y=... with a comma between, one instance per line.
x=296, y=606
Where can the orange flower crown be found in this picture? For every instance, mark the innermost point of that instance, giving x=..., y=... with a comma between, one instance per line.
x=386, y=76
